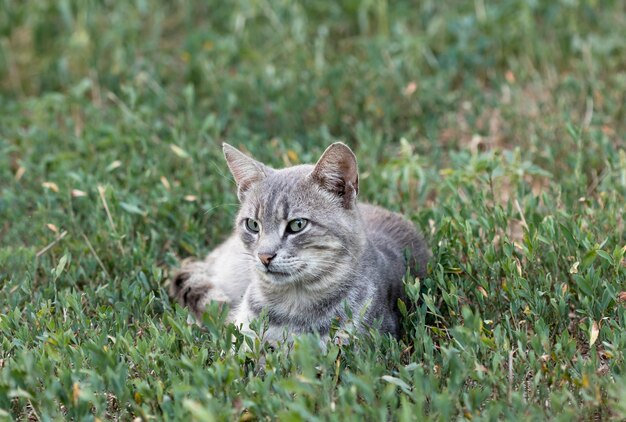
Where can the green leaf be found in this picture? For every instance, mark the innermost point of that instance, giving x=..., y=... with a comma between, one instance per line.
x=398, y=382
x=602, y=254
x=402, y=308
x=133, y=209
x=589, y=258
x=60, y=266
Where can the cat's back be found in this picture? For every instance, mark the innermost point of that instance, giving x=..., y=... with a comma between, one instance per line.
x=391, y=235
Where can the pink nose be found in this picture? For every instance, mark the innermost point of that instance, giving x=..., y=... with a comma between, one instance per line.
x=266, y=258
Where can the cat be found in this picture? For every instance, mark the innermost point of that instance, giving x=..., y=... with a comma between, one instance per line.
x=306, y=252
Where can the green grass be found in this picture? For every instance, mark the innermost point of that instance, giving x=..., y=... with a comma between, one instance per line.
x=497, y=127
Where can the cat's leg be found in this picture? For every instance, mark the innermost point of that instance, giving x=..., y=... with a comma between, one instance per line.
x=222, y=277
x=193, y=286
x=242, y=315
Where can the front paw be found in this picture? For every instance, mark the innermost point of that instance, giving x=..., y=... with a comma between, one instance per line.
x=192, y=287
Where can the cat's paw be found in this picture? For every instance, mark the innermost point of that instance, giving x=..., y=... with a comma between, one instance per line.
x=192, y=287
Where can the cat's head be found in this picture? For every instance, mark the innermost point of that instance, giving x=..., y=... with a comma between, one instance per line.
x=299, y=224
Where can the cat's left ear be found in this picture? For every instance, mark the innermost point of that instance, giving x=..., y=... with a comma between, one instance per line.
x=337, y=172
x=246, y=171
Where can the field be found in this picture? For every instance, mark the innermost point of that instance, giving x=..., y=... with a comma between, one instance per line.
x=498, y=128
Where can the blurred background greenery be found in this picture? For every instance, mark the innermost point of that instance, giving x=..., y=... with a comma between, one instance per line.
x=496, y=126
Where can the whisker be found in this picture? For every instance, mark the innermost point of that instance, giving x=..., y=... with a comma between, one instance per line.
x=349, y=252
x=221, y=173
x=208, y=210
x=351, y=271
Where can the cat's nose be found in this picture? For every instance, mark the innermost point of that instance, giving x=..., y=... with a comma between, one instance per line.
x=266, y=258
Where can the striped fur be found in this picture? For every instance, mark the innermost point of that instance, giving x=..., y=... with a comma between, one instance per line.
x=349, y=260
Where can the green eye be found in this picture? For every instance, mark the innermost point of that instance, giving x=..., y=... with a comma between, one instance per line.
x=252, y=225
x=294, y=226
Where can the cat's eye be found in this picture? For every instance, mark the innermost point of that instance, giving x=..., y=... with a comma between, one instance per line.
x=294, y=226
x=252, y=225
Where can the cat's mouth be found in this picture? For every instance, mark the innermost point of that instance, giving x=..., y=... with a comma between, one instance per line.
x=283, y=272
x=275, y=276
x=276, y=273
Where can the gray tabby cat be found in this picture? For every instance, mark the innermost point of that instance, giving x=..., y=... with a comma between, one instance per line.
x=304, y=250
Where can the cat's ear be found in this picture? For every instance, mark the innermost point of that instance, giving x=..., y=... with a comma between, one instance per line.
x=337, y=172
x=246, y=171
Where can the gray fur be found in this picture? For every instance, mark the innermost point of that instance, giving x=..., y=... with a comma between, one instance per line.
x=349, y=253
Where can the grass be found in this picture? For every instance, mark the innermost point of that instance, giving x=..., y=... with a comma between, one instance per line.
x=497, y=127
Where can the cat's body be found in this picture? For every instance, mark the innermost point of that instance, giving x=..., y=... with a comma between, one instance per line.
x=305, y=251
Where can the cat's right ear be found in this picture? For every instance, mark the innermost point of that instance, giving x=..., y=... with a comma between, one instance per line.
x=337, y=172
x=246, y=171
